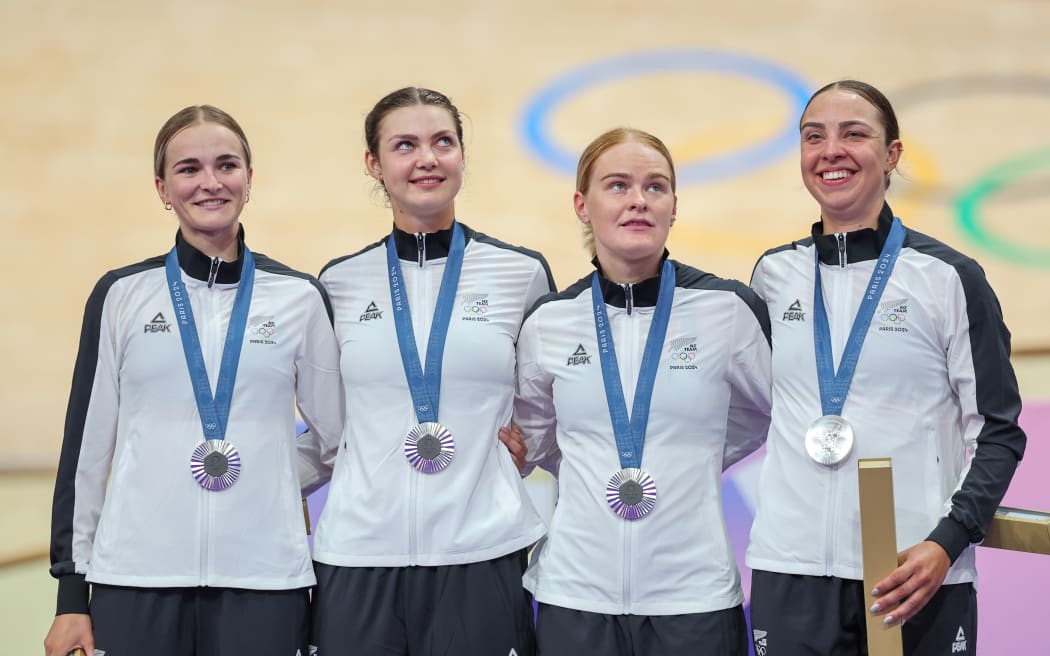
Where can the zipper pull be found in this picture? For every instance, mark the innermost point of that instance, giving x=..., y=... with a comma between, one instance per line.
x=628, y=292
x=214, y=271
x=841, y=238
x=421, y=244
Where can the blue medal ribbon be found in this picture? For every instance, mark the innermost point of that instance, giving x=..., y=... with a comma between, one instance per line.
x=425, y=384
x=214, y=411
x=630, y=431
x=835, y=385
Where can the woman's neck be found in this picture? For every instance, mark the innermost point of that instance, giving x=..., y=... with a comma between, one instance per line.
x=222, y=245
x=629, y=272
x=852, y=219
x=425, y=224
x=831, y=226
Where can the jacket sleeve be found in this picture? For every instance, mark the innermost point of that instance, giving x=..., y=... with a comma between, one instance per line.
x=978, y=360
x=88, y=441
x=534, y=404
x=751, y=387
x=541, y=284
x=319, y=397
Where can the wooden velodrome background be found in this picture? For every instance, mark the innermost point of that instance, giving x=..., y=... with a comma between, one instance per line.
x=85, y=86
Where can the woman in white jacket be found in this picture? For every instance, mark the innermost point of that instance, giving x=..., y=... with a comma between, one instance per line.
x=177, y=501
x=637, y=561
x=888, y=344
x=421, y=545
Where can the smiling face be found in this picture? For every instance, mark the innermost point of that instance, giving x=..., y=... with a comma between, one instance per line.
x=846, y=157
x=205, y=178
x=419, y=161
x=629, y=203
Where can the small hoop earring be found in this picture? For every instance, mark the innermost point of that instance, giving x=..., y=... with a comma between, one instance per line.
x=167, y=206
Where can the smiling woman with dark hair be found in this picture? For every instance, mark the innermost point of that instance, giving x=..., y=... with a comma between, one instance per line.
x=888, y=344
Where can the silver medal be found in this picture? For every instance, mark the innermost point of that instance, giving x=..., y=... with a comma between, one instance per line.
x=429, y=447
x=215, y=465
x=829, y=440
x=631, y=493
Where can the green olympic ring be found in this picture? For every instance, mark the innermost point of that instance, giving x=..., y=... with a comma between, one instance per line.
x=990, y=183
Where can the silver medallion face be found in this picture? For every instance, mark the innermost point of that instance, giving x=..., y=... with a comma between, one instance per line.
x=429, y=447
x=631, y=493
x=829, y=440
x=215, y=465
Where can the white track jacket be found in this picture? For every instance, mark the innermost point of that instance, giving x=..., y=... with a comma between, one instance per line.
x=933, y=390
x=127, y=510
x=380, y=511
x=710, y=408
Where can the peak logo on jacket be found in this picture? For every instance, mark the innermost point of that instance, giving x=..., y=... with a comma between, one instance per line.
x=371, y=313
x=892, y=316
x=794, y=312
x=475, y=307
x=262, y=330
x=682, y=353
x=158, y=324
x=578, y=357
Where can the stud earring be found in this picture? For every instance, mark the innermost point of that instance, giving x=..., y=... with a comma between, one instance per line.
x=167, y=205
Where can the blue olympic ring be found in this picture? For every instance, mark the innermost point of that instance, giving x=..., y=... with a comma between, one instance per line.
x=536, y=118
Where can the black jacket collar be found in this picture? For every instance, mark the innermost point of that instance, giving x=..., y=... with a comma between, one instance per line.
x=861, y=245
x=198, y=265
x=644, y=293
x=433, y=245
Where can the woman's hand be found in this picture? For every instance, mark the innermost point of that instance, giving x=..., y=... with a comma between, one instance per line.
x=69, y=631
x=908, y=588
x=515, y=443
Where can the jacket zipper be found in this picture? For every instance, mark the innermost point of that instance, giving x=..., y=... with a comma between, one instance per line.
x=629, y=367
x=421, y=246
x=841, y=304
x=213, y=271
x=419, y=302
x=215, y=307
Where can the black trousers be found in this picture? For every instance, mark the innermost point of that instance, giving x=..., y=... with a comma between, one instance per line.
x=796, y=615
x=569, y=632
x=453, y=610
x=199, y=621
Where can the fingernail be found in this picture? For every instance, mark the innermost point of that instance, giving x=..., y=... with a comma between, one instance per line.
x=903, y=621
x=888, y=620
x=874, y=592
x=875, y=608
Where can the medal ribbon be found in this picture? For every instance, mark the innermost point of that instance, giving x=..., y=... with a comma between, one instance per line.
x=425, y=385
x=214, y=411
x=630, y=431
x=834, y=386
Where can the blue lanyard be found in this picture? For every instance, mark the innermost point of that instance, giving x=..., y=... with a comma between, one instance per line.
x=630, y=431
x=214, y=411
x=425, y=387
x=834, y=386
